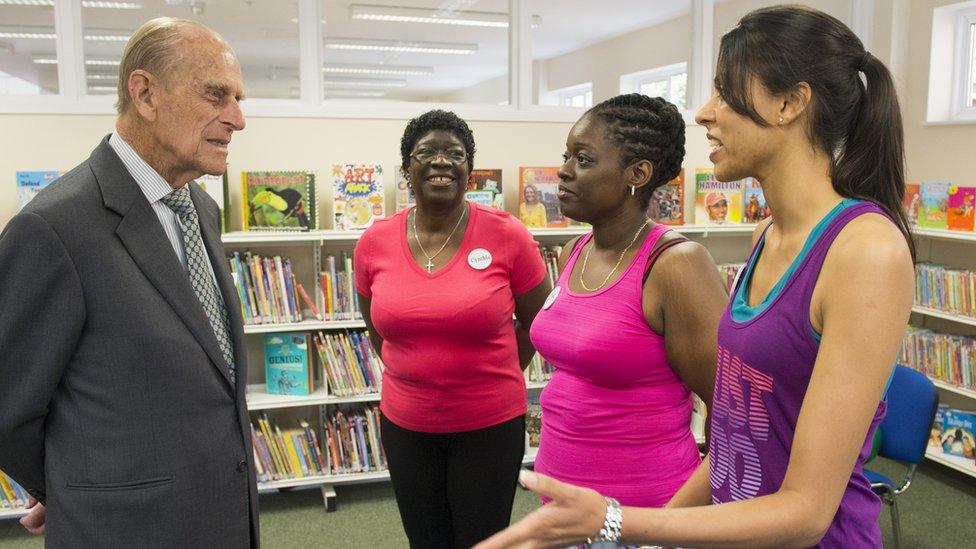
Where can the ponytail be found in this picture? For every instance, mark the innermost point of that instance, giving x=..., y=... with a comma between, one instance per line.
x=871, y=163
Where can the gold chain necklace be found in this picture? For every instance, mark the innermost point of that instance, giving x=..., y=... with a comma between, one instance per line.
x=430, y=258
x=586, y=257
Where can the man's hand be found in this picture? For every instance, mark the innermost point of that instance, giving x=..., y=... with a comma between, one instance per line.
x=34, y=521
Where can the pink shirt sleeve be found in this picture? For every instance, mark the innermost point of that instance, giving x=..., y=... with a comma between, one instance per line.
x=527, y=268
x=361, y=262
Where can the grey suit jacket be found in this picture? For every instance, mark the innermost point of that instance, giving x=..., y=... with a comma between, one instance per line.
x=115, y=404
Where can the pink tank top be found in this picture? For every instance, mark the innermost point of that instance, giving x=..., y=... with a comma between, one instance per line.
x=615, y=416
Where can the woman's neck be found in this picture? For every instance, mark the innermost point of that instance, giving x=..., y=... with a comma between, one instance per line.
x=798, y=189
x=438, y=218
x=616, y=231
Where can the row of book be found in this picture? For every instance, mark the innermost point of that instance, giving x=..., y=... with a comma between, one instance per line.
x=353, y=440
x=940, y=205
x=716, y=202
x=349, y=364
x=12, y=496
x=539, y=370
x=282, y=454
x=946, y=357
x=268, y=289
x=340, y=301
x=953, y=432
x=949, y=290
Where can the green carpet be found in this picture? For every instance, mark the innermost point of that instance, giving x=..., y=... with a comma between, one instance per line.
x=937, y=512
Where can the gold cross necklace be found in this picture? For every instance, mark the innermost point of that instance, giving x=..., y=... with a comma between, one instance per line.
x=430, y=258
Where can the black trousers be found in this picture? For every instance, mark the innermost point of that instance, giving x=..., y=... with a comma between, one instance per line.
x=454, y=489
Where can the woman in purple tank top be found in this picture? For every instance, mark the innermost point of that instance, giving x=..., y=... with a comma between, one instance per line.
x=811, y=334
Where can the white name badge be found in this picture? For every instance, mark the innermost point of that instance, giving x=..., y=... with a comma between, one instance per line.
x=479, y=258
x=551, y=298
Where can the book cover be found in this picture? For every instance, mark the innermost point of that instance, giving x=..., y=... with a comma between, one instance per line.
x=754, y=206
x=404, y=192
x=286, y=364
x=357, y=195
x=538, y=202
x=959, y=214
x=668, y=202
x=932, y=214
x=957, y=433
x=31, y=183
x=912, y=201
x=485, y=187
x=533, y=421
x=278, y=201
x=216, y=186
x=717, y=202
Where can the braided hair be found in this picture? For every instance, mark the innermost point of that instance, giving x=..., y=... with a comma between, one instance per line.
x=646, y=128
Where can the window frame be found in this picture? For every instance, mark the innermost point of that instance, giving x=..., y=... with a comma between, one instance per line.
x=73, y=98
x=964, y=73
x=632, y=83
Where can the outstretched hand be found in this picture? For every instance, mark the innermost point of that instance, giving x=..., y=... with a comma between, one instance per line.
x=33, y=522
x=573, y=515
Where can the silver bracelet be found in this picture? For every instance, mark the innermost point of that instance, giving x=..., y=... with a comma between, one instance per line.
x=612, y=522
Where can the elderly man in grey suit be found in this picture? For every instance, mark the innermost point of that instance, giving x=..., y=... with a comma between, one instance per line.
x=123, y=368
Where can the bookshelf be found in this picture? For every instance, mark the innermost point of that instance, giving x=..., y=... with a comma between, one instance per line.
x=963, y=465
x=306, y=251
x=935, y=313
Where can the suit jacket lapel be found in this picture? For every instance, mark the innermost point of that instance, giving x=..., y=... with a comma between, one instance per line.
x=143, y=237
x=215, y=250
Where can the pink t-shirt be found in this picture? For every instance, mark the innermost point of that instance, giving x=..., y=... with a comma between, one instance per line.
x=448, y=339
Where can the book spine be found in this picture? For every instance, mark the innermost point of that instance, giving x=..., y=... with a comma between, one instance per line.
x=306, y=299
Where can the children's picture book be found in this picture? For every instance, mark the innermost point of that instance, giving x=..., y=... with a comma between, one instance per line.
x=278, y=201
x=31, y=183
x=932, y=214
x=485, y=187
x=717, y=202
x=287, y=369
x=216, y=186
x=668, y=202
x=538, y=201
x=357, y=193
x=533, y=421
x=912, y=201
x=957, y=433
x=959, y=215
x=754, y=206
x=404, y=193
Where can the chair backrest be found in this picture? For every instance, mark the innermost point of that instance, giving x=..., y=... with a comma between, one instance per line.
x=912, y=403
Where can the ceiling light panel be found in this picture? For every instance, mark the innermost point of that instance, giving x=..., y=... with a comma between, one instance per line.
x=84, y=4
x=433, y=16
x=365, y=82
x=400, y=46
x=383, y=70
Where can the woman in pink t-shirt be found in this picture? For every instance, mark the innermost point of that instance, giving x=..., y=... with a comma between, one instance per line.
x=438, y=285
x=631, y=325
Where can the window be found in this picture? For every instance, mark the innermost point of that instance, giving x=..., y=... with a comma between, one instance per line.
x=580, y=96
x=28, y=50
x=670, y=82
x=952, y=65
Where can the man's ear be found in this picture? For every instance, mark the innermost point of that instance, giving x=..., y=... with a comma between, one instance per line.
x=144, y=90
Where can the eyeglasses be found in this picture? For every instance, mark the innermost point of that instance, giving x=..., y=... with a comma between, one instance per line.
x=425, y=155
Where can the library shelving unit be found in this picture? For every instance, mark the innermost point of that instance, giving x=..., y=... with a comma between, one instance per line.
x=950, y=247
x=306, y=251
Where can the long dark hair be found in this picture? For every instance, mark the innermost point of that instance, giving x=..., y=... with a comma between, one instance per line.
x=856, y=122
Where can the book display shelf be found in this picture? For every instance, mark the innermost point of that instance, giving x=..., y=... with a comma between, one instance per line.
x=956, y=250
x=307, y=251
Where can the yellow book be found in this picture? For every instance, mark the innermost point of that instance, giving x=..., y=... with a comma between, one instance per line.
x=293, y=459
x=8, y=491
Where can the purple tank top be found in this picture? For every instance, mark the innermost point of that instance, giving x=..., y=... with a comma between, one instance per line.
x=764, y=367
x=615, y=416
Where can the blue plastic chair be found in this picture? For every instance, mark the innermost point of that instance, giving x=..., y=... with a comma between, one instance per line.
x=912, y=403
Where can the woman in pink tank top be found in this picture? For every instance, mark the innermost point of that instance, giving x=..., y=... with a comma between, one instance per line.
x=629, y=344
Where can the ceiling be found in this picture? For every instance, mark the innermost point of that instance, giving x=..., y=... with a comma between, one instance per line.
x=265, y=35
